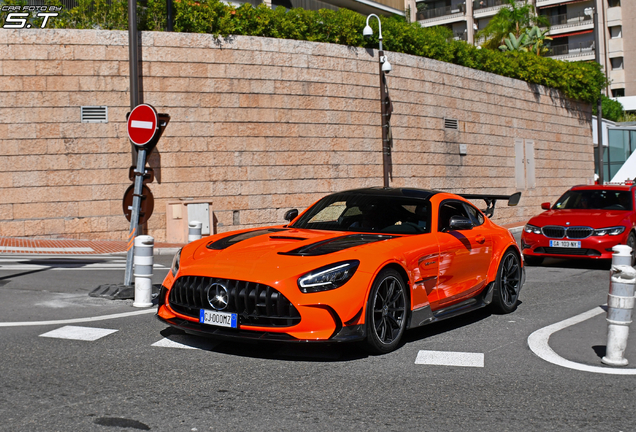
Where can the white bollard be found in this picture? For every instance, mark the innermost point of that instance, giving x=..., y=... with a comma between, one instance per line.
x=620, y=303
x=143, y=270
x=194, y=231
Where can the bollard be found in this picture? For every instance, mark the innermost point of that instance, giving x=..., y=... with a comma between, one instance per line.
x=620, y=302
x=143, y=270
x=194, y=231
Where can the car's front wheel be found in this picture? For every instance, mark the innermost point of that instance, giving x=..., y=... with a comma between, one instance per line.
x=507, y=284
x=386, y=312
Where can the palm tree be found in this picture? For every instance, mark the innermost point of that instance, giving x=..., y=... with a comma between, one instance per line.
x=511, y=18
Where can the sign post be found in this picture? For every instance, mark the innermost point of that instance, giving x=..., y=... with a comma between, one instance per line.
x=144, y=129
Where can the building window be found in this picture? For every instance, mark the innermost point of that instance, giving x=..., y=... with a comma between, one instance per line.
x=618, y=92
x=613, y=3
x=617, y=63
x=616, y=32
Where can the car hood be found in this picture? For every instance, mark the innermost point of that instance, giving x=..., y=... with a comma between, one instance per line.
x=591, y=218
x=265, y=255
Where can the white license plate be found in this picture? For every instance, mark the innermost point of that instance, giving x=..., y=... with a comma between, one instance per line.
x=565, y=243
x=220, y=319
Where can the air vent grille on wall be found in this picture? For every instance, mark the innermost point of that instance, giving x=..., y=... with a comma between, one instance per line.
x=94, y=114
x=451, y=124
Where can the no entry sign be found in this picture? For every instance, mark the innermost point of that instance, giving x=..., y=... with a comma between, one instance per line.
x=142, y=124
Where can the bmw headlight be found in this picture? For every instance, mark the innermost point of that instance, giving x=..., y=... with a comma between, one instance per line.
x=532, y=229
x=175, y=263
x=609, y=231
x=328, y=277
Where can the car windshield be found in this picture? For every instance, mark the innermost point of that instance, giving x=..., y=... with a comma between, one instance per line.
x=595, y=199
x=368, y=213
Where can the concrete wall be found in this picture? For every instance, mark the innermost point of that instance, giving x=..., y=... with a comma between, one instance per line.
x=259, y=126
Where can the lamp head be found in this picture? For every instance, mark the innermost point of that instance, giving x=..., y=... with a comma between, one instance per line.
x=367, y=32
x=386, y=67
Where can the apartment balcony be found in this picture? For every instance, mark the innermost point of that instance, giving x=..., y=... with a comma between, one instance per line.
x=441, y=16
x=616, y=47
x=566, y=23
x=618, y=78
x=463, y=36
x=486, y=8
x=544, y=3
x=366, y=7
x=572, y=52
x=614, y=16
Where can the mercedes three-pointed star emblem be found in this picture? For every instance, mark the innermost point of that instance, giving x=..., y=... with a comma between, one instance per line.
x=218, y=296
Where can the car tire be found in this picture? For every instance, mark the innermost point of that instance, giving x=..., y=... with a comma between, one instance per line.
x=386, y=312
x=631, y=242
x=507, y=284
x=532, y=260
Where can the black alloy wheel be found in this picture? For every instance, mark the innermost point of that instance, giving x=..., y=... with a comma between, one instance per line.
x=631, y=242
x=507, y=284
x=386, y=312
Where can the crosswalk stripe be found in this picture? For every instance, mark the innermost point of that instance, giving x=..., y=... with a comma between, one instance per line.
x=78, y=333
x=447, y=358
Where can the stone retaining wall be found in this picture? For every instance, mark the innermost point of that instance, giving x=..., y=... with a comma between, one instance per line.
x=259, y=126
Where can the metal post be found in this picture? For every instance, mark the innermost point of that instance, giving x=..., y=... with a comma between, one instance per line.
x=134, y=216
x=133, y=62
x=383, y=121
x=169, y=15
x=620, y=303
x=143, y=270
x=599, y=108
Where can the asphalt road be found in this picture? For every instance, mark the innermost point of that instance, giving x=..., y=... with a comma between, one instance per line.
x=145, y=376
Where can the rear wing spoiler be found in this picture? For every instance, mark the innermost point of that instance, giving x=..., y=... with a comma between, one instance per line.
x=513, y=200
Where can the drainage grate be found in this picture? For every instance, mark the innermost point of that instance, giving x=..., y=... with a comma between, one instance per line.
x=451, y=123
x=94, y=114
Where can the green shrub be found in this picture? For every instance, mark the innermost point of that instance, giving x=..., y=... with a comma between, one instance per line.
x=577, y=80
x=611, y=109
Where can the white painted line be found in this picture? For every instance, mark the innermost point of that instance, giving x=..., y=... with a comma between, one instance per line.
x=77, y=320
x=78, y=333
x=141, y=124
x=447, y=358
x=43, y=249
x=538, y=343
x=167, y=343
x=193, y=343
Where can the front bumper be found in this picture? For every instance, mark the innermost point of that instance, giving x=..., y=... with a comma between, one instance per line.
x=537, y=245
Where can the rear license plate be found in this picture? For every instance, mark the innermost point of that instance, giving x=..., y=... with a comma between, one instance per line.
x=565, y=243
x=220, y=319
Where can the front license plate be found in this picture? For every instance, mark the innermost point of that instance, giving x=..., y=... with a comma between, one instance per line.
x=565, y=243
x=220, y=319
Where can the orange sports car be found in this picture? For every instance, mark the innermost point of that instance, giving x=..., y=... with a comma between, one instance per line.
x=360, y=265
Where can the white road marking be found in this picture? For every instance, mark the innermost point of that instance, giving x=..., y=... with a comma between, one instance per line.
x=141, y=124
x=538, y=343
x=78, y=333
x=77, y=320
x=447, y=358
x=193, y=343
x=43, y=249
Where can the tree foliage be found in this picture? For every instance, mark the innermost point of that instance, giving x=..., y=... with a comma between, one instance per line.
x=611, y=109
x=577, y=80
x=511, y=18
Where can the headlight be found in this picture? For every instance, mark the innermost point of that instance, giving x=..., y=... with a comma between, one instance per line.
x=532, y=229
x=328, y=277
x=609, y=231
x=175, y=263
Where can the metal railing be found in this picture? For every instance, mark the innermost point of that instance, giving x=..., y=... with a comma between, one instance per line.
x=439, y=12
x=482, y=4
x=461, y=36
x=567, y=19
x=571, y=49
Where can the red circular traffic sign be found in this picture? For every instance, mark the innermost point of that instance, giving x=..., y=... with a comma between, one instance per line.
x=142, y=124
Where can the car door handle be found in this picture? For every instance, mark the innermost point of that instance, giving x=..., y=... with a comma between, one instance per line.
x=480, y=239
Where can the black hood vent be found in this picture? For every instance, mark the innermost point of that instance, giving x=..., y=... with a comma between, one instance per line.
x=337, y=244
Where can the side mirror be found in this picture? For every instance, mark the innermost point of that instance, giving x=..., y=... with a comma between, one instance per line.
x=545, y=206
x=460, y=223
x=290, y=215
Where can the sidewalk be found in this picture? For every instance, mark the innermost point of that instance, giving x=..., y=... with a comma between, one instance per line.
x=15, y=245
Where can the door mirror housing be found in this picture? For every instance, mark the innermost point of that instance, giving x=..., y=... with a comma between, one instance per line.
x=460, y=223
x=545, y=206
x=290, y=215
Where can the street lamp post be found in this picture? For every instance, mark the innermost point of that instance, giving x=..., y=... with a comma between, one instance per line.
x=385, y=112
x=591, y=12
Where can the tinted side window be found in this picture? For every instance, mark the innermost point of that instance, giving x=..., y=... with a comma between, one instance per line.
x=475, y=215
x=447, y=210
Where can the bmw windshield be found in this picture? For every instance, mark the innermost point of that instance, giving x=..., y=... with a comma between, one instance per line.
x=595, y=199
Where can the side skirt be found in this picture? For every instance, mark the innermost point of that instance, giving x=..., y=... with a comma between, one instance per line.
x=425, y=315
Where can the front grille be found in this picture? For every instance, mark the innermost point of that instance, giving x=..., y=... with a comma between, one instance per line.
x=567, y=251
x=255, y=304
x=579, y=232
x=553, y=231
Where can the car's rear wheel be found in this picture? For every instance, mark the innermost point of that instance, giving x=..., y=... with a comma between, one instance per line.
x=631, y=242
x=507, y=284
x=532, y=260
x=386, y=312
